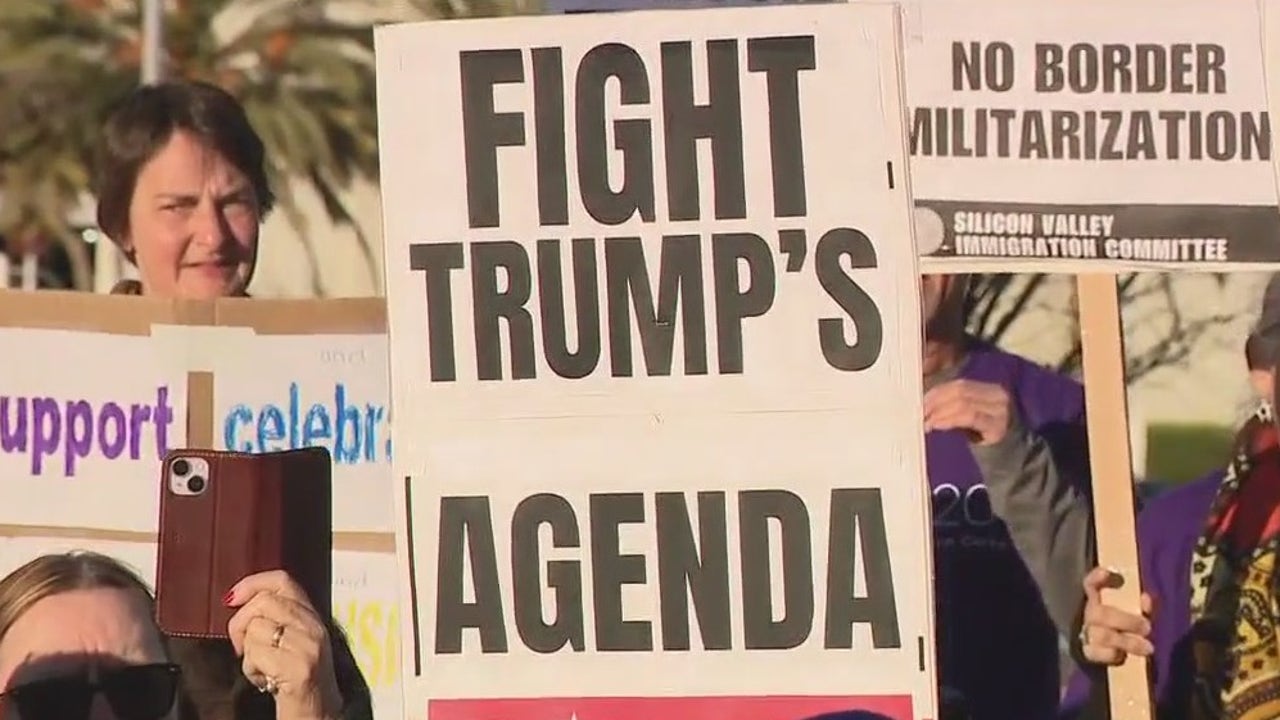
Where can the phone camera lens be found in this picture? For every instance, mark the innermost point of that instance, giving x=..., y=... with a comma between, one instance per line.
x=196, y=484
x=181, y=467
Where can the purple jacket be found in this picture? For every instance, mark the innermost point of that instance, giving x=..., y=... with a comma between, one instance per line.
x=997, y=646
x=1167, y=531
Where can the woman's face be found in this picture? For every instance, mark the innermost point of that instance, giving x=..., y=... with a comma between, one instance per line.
x=82, y=632
x=193, y=223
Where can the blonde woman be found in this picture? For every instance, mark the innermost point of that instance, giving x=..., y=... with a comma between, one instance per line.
x=78, y=642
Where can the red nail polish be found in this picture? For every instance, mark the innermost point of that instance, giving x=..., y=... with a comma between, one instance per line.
x=226, y=599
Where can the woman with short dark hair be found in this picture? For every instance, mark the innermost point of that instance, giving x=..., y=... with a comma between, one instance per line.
x=182, y=190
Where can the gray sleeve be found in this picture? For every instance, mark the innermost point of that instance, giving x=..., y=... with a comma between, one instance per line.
x=1049, y=518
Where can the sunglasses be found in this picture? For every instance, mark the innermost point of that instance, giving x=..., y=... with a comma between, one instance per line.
x=135, y=692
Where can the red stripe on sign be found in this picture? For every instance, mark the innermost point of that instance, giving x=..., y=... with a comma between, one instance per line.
x=774, y=707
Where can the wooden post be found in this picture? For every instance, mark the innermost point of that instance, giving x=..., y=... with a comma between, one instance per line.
x=200, y=410
x=1102, y=343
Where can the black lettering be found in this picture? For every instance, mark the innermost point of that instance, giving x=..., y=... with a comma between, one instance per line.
x=1065, y=134
x=1212, y=76
x=1003, y=119
x=611, y=570
x=493, y=305
x=586, y=291
x=705, y=573
x=1116, y=73
x=833, y=248
x=1151, y=75
x=857, y=521
x=631, y=137
x=1049, y=75
x=720, y=120
x=922, y=131
x=467, y=520
x=760, y=630
x=436, y=261
x=977, y=67
x=1180, y=68
x=1034, y=138
x=679, y=283
x=484, y=130
x=1113, y=121
x=549, y=131
x=733, y=304
x=1142, y=142
x=564, y=577
x=781, y=59
x=1221, y=142
x=1082, y=68
x=999, y=66
x=1174, y=122
x=1256, y=129
x=966, y=66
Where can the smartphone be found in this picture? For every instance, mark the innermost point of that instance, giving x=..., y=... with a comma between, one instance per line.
x=225, y=516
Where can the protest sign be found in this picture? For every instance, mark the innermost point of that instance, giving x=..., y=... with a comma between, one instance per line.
x=235, y=374
x=104, y=392
x=1063, y=139
x=87, y=410
x=1089, y=136
x=616, y=518
x=315, y=373
x=310, y=374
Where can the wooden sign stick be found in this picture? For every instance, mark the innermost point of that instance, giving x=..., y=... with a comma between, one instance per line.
x=1102, y=349
x=200, y=410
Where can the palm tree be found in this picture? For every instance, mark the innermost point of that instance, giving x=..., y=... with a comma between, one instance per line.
x=474, y=8
x=306, y=80
x=54, y=89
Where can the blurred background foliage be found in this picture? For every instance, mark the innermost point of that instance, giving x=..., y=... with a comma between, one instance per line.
x=304, y=70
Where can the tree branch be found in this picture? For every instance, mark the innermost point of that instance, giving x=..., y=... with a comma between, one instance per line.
x=997, y=303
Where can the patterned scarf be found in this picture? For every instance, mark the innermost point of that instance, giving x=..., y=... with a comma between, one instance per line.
x=1234, y=581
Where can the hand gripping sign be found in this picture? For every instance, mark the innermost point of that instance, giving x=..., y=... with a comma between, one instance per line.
x=1059, y=139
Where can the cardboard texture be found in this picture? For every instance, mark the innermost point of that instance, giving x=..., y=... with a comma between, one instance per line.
x=200, y=410
x=139, y=316
x=236, y=374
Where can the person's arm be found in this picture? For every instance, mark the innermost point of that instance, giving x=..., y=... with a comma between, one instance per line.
x=1049, y=517
x=1038, y=484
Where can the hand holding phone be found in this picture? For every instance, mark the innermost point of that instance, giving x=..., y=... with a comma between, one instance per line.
x=225, y=516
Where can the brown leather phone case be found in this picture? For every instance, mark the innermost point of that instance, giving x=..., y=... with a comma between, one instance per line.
x=256, y=512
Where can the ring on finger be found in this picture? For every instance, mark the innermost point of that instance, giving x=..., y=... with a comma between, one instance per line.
x=277, y=636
